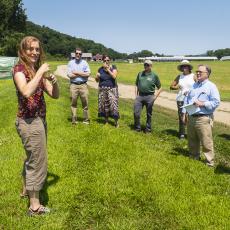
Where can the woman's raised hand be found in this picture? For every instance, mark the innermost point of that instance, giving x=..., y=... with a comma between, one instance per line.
x=44, y=69
x=52, y=78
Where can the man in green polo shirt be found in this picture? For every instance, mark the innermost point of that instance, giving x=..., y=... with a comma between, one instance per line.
x=146, y=83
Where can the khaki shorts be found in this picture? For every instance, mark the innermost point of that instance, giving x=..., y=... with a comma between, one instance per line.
x=82, y=92
x=79, y=91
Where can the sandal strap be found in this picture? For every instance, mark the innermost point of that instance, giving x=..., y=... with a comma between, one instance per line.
x=40, y=211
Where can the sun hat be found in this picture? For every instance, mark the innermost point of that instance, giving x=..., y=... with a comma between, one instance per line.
x=184, y=63
x=149, y=62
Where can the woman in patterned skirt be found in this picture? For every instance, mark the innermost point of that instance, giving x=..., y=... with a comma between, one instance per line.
x=107, y=91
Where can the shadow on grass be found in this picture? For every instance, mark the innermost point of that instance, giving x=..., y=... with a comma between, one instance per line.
x=225, y=136
x=101, y=120
x=222, y=169
x=180, y=151
x=171, y=132
x=143, y=127
x=80, y=119
x=131, y=126
x=50, y=180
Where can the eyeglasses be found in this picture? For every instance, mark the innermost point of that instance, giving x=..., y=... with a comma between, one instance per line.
x=200, y=72
x=106, y=60
x=77, y=53
x=147, y=65
x=184, y=66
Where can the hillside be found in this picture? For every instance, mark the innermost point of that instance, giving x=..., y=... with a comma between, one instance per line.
x=14, y=26
x=61, y=45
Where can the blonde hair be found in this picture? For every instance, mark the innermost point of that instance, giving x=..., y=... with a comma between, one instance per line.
x=23, y=57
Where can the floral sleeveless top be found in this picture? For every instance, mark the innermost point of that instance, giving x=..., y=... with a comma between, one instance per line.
x=35, y=105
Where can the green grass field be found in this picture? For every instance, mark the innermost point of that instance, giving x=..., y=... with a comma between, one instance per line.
x=101, y=177
x=167, y=72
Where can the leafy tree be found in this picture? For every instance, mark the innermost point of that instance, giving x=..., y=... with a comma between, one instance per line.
x=145, y=53
x=219, y=53
x=11, y=43
x=12, y=25
x=210, y=53
x=134, y=56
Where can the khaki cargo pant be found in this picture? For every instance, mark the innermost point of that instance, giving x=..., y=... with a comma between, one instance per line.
x=33, y=135
x=200, y=132
x=82, y=91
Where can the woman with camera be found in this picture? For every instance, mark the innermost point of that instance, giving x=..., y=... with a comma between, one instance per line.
x=107, y=91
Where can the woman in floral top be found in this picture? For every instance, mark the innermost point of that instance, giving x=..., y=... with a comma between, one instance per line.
x=31, y=79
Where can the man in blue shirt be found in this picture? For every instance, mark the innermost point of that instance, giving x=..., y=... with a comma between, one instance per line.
x=78, y=72
x=205, y=98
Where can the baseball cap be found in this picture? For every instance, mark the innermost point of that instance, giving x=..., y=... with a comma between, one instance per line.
x=149, y=62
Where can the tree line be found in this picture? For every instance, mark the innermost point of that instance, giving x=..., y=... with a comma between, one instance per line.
x=60, y=45
x=219, y=53
x=14, y=26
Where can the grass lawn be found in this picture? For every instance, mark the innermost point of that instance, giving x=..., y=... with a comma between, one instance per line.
x=101, y=177
x=167, y=72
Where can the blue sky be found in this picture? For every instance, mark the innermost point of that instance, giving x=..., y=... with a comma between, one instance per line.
x=165, y=26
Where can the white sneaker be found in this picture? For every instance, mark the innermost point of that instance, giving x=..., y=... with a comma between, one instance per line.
x=86, y=122
x=210, y=164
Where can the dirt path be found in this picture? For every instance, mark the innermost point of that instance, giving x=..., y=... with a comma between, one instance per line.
x=167, y=100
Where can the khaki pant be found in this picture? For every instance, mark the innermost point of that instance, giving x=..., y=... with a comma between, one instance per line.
x=200, y=132
x=33, y=135
x=82, y=91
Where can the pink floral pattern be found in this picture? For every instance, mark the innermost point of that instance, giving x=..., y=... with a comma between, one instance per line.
x=35, y=105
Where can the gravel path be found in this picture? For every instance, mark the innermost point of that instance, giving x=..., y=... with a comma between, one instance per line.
x=166, y=99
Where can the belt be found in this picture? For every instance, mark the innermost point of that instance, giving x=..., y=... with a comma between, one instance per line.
x=78, y=83
x=145, y=94
x=200, y=115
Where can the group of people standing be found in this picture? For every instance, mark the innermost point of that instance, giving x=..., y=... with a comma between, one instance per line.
x=194, y=90
x=32, y=78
